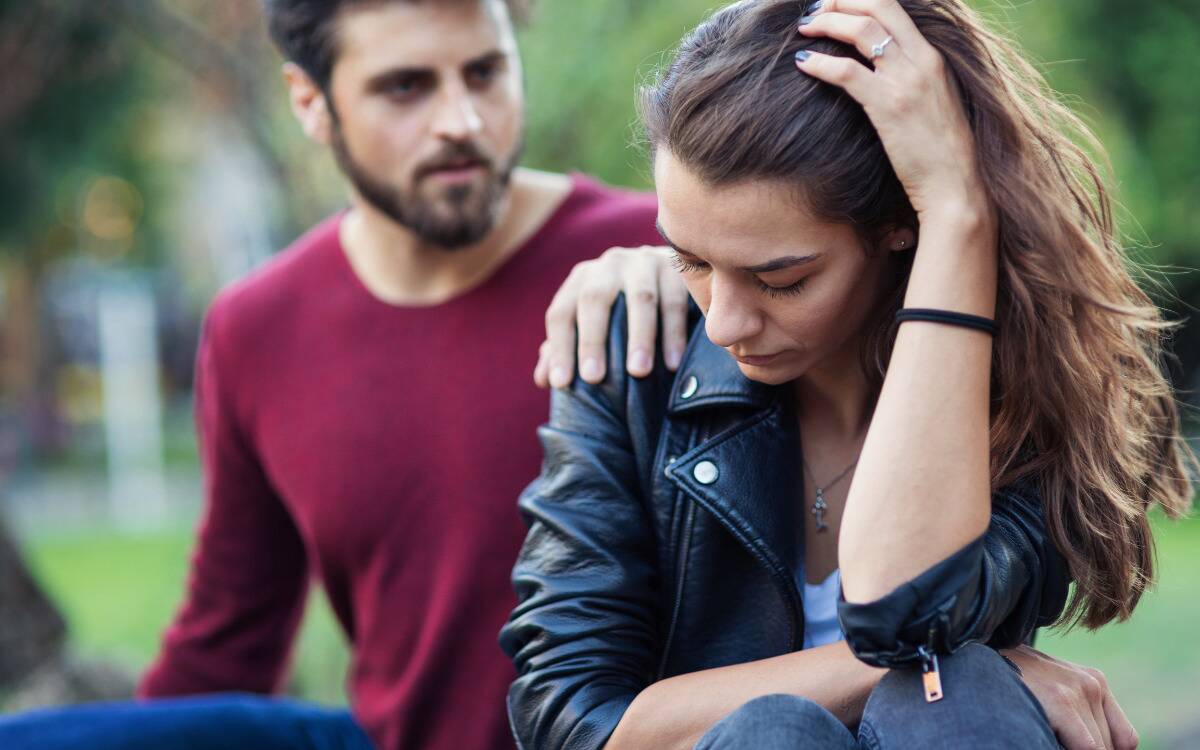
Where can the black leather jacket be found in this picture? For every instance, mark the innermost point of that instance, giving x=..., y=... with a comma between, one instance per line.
x=639, y=566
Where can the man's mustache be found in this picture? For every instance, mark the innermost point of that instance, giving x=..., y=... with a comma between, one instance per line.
x=456, y=156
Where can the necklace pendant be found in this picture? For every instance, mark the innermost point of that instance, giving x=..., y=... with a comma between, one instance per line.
x=818, y=510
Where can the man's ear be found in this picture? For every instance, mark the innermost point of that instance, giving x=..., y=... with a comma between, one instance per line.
x=309, y=104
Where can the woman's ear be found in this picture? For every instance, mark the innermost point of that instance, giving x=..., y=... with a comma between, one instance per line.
x=898, y=238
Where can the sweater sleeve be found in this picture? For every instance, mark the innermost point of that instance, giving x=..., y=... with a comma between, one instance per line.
x=248, y=577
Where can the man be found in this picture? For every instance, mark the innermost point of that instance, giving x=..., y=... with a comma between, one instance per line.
x=364, y=403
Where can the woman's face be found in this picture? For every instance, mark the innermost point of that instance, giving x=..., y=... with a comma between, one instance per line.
x=781, y=291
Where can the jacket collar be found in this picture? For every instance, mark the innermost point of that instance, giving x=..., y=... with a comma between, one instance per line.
x=709, y=377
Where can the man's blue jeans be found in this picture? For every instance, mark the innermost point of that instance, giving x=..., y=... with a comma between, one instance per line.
x=207, y=722
x=986, y=706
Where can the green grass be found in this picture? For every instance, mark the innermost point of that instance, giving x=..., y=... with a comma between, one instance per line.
x=119, y=591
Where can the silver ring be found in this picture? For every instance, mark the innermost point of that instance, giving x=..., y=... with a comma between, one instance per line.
x=877, y=50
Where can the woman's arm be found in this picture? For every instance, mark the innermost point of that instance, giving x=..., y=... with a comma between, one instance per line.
x=585, y=635
x=676, y=712
x=921, y=490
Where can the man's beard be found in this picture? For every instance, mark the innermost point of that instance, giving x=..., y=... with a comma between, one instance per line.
x=460, y=216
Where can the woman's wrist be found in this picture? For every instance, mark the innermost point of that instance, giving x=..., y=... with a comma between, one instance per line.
x=961, y=214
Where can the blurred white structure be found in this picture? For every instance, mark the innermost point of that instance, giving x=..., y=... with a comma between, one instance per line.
x=128, y=352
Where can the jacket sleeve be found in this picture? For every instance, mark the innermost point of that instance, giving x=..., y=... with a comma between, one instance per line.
x=997, y=590
x=585, y=631
x=249, y=575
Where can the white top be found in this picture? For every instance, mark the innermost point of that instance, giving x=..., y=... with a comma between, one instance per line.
x=820, y=610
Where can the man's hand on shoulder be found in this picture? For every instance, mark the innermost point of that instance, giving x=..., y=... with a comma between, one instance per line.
x=585, y=301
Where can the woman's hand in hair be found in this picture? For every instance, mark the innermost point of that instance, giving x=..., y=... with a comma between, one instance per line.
x=911, y=99
x=584, y=303
x=1077, y=700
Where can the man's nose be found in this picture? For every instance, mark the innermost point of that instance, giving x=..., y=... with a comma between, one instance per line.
x=732, y=315
x=456, y=118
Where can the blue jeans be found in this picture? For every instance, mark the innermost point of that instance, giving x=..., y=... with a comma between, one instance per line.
x=206, y=722
x=986, y=706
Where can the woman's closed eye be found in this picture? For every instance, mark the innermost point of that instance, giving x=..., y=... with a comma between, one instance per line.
x=687, y=264
x=781, y=291
x=690, y=264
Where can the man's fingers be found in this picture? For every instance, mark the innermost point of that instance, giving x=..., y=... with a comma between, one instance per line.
x=641, y=304
x=673, y=301
x=592, y=316
x=541, y=371
x=560, y=339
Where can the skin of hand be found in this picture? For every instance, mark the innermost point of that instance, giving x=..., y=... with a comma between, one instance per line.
x=1078, y=701
x=585, y=301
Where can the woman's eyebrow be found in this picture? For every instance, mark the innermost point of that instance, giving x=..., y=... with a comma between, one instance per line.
x=778, y=264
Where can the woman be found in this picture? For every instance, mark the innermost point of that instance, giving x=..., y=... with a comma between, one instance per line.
x=924, y=376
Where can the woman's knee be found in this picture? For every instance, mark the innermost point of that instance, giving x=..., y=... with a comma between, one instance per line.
x=778, y=721
x=985, y=704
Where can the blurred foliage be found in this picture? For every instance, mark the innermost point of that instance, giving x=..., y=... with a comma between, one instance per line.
x=85, y=85
x=1127, y=70
x=68, y=101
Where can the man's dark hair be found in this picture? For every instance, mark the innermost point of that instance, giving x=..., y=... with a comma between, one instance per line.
x=303, y=30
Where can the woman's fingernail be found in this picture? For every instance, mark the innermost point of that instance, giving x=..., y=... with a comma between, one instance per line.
x=815, y=7
x=591, y=369
x=806, y=20
x=802, y=55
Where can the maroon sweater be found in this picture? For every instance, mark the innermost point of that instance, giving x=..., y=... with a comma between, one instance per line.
x=381, y=450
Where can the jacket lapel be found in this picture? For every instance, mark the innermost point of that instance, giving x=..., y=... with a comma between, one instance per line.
x=746, y=474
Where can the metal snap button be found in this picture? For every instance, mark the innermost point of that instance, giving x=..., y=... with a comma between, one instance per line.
x=690, y=386
x=706, y=472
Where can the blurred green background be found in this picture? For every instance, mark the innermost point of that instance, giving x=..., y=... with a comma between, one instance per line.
x=148, y=156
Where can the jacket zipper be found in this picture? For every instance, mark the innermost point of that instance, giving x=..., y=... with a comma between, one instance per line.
x=931, y=676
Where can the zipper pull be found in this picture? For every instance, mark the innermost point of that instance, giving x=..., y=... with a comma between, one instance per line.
x=931, y=677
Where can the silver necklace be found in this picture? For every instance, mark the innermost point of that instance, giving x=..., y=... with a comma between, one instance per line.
x=819, y=507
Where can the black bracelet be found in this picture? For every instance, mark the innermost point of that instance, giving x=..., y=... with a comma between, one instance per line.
x=979, y=323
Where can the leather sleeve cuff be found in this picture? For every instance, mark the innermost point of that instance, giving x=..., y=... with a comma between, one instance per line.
x=921, y=612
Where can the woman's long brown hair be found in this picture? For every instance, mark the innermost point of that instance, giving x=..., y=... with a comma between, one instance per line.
x=1081, y=405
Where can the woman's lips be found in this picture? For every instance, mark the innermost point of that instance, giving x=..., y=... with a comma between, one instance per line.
x=760, y=360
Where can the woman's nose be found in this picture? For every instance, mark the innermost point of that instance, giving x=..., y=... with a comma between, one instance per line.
x=732, y=317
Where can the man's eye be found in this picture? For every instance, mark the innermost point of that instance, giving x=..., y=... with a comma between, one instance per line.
x=406, y=88
x=482, y=73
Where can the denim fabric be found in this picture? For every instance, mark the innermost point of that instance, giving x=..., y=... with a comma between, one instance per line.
x=986, y=707
x=779, y=721
x=208, y=722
